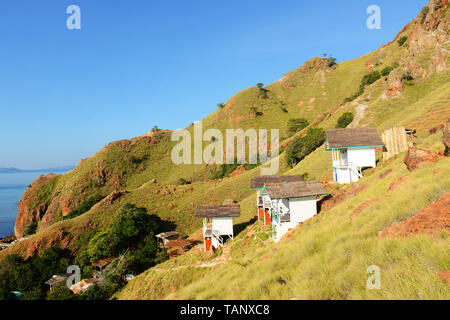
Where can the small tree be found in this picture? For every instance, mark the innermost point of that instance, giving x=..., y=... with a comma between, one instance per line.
x=296, y=125
x=344, y=120
x=221, y=105
x=402, y=41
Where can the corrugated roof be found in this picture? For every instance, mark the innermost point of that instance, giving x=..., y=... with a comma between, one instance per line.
x=168, y=234
x=295, y=189
x=217, y=211
x=353, y=137
x=260, y=181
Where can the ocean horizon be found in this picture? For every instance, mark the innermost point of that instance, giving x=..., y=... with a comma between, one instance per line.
x=12, y=187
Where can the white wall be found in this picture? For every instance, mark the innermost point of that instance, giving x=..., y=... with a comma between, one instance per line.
x=302, y=209
x=223, y=225
x=362, y=157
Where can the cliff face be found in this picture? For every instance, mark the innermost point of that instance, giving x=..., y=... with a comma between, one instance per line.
x=34, y=204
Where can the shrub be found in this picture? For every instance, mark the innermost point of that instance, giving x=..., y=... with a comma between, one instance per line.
x=296, y=125
x=255, y=112
x=301, y=147
x=84, y=207
x=331, y=61
x=424, y=14
x=344, y=120
x=407, y=76
x=61, y=292
x=402, y=40
x=367, y=80
x=385, y=72
x=183, y=181
x=30, y=230
x=221, y=105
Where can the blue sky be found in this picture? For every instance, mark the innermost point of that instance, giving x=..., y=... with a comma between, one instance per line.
x=64, y=94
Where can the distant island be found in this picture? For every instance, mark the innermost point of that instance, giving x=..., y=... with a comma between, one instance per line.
x=15, y=170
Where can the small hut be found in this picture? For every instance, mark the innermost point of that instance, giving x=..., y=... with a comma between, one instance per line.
x=258, y=184
x=217, y=223
x=165, y=237
x=290, y=203
x=57, y=278
x=352, y=150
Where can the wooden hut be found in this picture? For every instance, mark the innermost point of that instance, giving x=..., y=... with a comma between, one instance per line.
x=217, y=223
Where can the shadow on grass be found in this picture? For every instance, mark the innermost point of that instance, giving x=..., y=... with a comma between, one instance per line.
x=238, y=228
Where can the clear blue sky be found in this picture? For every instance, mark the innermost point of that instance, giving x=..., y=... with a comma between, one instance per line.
x=64, y=94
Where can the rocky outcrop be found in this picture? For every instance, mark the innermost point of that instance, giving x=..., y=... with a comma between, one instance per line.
x=34, y=204
x=415, y=156
x=446, y=139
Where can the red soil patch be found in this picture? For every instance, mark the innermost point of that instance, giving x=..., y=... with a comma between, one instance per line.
x=364, y=206
x=238, y=171
x=385, y=174
x=396, y=183
x=445, y=275
x=338, y=196
x=435, y=217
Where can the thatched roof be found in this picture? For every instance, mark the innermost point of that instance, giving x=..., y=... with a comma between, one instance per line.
x=295, y=189
x=353, y=137
x=260, y=181
x=217, y=211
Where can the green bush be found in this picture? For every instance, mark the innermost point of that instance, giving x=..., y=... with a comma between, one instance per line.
x=344, y=120
x=424, y=14
x=402, y=40
x=301, y=147
x=221, y=105
x=84, y=207
x=385, y=72
x=296, y=125
x=30, y=230
x=367, y=80
x=28, y=276
x=183, y=181
x=61, y=292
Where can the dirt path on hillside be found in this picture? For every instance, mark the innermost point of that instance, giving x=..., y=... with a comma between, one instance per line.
x=360, y=112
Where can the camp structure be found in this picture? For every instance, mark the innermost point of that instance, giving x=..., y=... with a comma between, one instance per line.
x=352, y=150
x=258, y=184
x=217, y=223
x=290, y=203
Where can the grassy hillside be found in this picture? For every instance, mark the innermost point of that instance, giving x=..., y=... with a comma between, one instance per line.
x=327, y=257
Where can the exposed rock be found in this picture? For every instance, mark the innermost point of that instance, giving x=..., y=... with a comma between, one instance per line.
x=415, y=156
x=238, y=171
x=434, y=218
x=446, y=139
x=394, y=84
x=113, y=196
x=31, y=207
